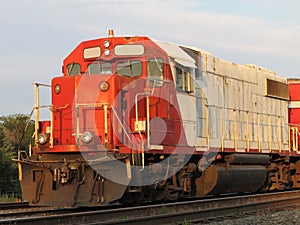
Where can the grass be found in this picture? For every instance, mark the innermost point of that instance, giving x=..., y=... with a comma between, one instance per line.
x=185, y=222
x=163, y=210
x=8, y=197
x=122, y=217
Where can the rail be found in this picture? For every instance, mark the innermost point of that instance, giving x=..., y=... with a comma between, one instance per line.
x=184, y=212
x=13, y=205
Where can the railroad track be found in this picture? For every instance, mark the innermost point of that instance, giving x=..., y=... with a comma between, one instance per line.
x=13, y=205
x=171, y=213
x=22, y=209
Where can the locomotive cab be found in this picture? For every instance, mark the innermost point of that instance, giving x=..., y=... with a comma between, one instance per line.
x=102, y=78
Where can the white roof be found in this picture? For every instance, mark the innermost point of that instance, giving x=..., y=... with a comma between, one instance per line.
x=202, y=51
x=174, y=51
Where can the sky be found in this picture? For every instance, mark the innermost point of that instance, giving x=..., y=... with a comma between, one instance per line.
x=36, y=35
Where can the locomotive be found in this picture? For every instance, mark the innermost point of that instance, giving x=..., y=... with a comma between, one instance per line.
x=133, y=119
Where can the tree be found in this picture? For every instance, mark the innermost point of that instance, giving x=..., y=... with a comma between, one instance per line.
x=12, y=138
x=17, y=131
x=8, y=172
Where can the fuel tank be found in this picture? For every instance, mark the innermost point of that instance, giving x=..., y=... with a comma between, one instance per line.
x=222, y=179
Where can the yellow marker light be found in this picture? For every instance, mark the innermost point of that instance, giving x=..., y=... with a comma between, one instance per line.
x=104, y=86
x=57, y=89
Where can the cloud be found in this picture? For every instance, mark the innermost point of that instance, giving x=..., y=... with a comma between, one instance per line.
x=37, y=35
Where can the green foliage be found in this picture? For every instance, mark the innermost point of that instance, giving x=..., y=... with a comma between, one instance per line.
x=12, y=128
x=8, y=172
x=122, y=217
x=185, y=222
x=12, y=137
x=9, y=197
x=163, y=210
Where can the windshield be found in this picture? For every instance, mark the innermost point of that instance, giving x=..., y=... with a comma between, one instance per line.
x=100, y=68
x=129, y=68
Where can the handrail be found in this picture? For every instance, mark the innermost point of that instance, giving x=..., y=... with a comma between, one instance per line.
x=120, y=122
x=37, y=113
x=295, y=137
x=23, y=134
x=147, y=92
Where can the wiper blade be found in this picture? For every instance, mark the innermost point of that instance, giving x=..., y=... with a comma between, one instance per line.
x=70, y=68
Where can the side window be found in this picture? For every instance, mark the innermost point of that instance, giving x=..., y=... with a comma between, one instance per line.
x=100, y=68
x=156, y=68
x=183, y=78
x=73, y=69
x=130, y=68
x=179, y=80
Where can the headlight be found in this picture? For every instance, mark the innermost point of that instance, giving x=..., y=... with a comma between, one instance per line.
x=104, y=86
x=42, y=138
x=87, y=137
x=106, y=52
x=106, y=44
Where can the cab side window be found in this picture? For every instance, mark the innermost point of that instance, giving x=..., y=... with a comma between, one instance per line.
x=156, y=71
x=156, y=68
x=73, y=69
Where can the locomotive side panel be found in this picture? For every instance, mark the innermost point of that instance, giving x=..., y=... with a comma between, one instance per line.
x=240, y=113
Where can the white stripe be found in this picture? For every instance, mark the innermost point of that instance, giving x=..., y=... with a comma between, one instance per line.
x=294, y=104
